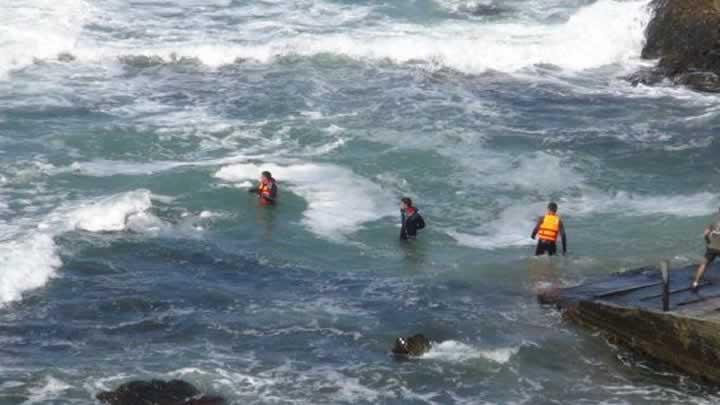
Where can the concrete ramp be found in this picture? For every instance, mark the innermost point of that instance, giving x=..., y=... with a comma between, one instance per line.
x=629, y=308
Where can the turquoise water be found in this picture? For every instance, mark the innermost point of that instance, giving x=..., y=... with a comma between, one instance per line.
x=129, y=247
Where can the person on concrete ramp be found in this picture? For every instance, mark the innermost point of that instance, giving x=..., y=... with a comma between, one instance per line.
x=712, y=250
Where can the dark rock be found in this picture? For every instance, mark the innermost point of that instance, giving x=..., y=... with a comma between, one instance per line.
x=158, y=392
x=141, y=61
x=184, y=60
x=65, y=57
x=685, y=36
x=412, y=346
x=646, y=77
x=488, y=10
x=705, y=81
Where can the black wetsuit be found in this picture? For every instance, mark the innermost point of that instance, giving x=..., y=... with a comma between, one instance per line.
x=410, y=224
x=549, y=247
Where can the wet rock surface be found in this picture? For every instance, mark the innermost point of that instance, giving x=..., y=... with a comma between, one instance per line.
x=685, y=36
x=158, y=392
x=416, y=345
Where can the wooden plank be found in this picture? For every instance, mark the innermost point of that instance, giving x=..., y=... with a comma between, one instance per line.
x=708, y=309
x=701, y=299
x=627, y=289
x=679, y=290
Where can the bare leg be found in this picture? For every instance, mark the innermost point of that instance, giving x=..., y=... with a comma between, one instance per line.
x=700, y=272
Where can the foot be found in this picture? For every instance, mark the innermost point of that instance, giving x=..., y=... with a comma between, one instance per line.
x=695, y=286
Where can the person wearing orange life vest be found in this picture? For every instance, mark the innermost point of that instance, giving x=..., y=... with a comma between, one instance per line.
x=549, y=227
x=266, y=190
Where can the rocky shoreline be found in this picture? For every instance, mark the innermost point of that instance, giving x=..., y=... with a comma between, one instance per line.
x=684, y=36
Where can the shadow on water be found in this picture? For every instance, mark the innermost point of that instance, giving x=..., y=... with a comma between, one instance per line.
x=415, y=253
x=544, y=273
x=265, y=217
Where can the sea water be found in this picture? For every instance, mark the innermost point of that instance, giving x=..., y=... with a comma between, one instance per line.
x=129, y=247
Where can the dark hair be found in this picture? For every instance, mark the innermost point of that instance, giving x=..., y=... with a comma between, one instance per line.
x=407, y=201
x=267, y=174
x=552, y=207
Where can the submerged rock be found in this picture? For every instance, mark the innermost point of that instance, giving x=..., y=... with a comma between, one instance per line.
x=488, y=10
x=158, y=392
x=412, y=346
x=148, y=61
x=65, y=57
x=685, y=36
x=647, y=77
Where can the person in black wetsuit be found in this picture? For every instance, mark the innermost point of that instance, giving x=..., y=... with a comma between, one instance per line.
x=410, y=219
x=549, y=227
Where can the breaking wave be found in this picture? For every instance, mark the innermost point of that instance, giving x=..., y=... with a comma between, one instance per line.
x=30, y=257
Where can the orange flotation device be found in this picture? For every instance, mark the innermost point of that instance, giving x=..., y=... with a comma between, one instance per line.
x=550, y=228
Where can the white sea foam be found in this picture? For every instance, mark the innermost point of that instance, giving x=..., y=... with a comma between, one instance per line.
x=106, y=168
x=603, y=33
x=512, y=226
x=31, y=29
x=351, y=390
x=464, y=5
x=110, y=214
x=27, y=263
x=536, y=170
x=50, y=391
x=625, y=203
x=455, y=351
x=339, y=201
x=287, y=383
x=29, y=256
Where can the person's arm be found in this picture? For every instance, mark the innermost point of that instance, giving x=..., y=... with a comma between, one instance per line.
x=536, y=229
x=411, y=226
x=421, y=222
x=564, y=237
x=706, y=234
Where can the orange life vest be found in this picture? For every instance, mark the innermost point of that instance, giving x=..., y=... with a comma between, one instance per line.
x=550, y=228
x=265, y=188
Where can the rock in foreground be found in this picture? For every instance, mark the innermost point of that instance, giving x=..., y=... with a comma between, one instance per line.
x=158, y=392
x=411, y=346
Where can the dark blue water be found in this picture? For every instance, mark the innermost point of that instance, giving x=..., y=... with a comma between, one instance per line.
x=129, y=247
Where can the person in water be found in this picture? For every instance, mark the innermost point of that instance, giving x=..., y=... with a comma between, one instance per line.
x=712, y=250
x=549, y=227
x=410, y=219
x=267, y=189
